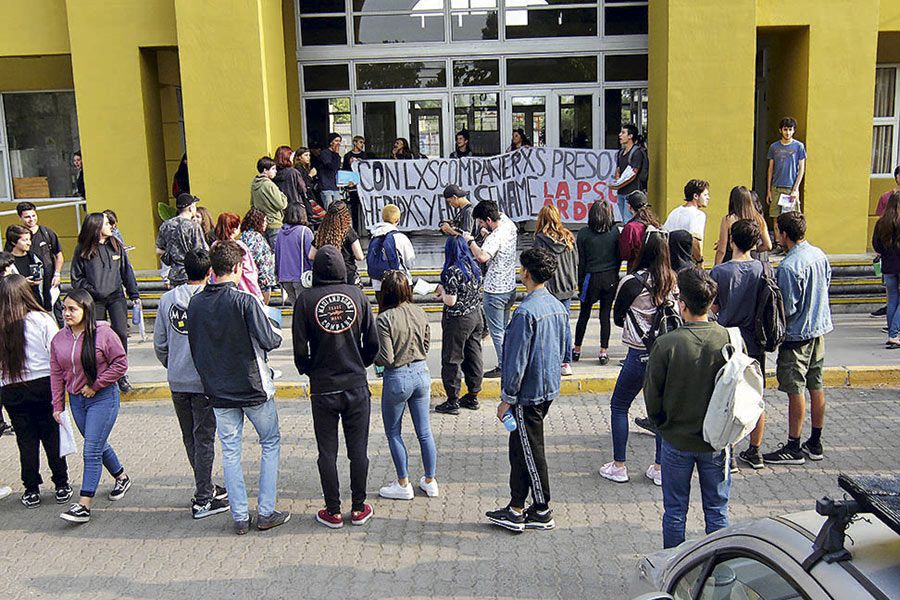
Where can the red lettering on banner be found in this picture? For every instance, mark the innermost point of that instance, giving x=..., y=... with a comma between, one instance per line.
x=562, y=191
x=563, y=206
x=583, y=188
x=579, y=211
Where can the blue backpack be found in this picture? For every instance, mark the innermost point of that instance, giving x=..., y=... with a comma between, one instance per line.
x=382, y=255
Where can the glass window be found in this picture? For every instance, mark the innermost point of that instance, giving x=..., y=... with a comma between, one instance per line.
x=882, y=147
x=576, y=123
x=885, y=151
x=530, y=113
x=745, y=577
x=480, y=115
x=885, y=88
x=688, y=583
x=42, y=137
x=392, y=29
x=408, y=6
x=468, y=73
x=625, y=17
x=576, y=69
x=549, y=22
x=318, y=78
x=426, y=131
x=380, y=126
x=387, y=76
x=326, y=115
x=321, y=6
x=624, y=106
x=626, y=67
x=323, y=31
x=474, y=24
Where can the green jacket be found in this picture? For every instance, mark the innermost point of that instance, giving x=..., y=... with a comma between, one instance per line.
x=679, y=381
x=266, y=196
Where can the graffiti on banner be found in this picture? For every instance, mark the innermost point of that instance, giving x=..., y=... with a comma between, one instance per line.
x=521, y=182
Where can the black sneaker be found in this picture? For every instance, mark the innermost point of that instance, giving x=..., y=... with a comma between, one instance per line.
x=646, y=424
x=878, y=312
x=813, y=452
x=507, y=519
x=492, y=374
x=537, y=520
x=447, y=408
x=63, y=494
x=77, y=514
x=752, y=458
x=242, y=527
x=208, y=509
x=469, y=401
x=125, y=385
x=785, y=455
x=122, y=486
x=264, y=522
x=220, y=493
x=733, y=466
x=31, y=499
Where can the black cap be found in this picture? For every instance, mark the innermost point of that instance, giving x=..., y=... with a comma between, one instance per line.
x=454, y=190
x=185, y=200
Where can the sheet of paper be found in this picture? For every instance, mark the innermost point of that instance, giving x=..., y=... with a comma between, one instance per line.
x=786, y=200
x=627, y=174
x=423, y=288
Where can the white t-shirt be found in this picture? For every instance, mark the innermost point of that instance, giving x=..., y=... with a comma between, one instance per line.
x=501, y=245
x=688, y=218
x=40, y=328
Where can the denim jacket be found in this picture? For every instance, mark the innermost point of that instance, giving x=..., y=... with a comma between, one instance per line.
x=804, y=276
x=533, y=349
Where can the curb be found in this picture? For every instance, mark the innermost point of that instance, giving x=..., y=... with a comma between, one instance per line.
x=835, y=377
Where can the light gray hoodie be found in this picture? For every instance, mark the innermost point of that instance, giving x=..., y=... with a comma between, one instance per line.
x=170, y=339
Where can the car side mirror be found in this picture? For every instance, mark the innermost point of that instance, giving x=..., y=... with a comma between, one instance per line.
x=654, y=596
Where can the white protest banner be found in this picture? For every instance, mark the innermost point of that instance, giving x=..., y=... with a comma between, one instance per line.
x=521, y=182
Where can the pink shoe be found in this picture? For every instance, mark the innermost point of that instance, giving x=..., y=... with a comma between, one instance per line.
x=654, y=475
x=613, y=473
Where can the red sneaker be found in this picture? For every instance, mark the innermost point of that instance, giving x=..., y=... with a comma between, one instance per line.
x=329, y=520
x=360, y=518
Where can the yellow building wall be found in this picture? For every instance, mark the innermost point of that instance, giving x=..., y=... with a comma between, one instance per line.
x=32, y=28
x=292, y=72
x=235, y=105
x=701, y=125
x=840, y=96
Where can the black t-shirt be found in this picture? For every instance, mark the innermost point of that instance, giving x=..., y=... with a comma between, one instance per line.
x=635, y=159
x=347, y=253
x=23, y=266
x=464, y=221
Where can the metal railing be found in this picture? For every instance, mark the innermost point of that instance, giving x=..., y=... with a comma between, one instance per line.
x=49, y=204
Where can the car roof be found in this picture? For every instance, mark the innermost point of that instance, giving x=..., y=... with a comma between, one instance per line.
x=873, y=546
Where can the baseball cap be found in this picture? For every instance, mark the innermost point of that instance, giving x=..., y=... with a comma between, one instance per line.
x=454, y=190
x=185, y=200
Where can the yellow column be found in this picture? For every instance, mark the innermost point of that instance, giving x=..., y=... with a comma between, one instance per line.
x=116, y=87
x=234, y=92
x=702, y=64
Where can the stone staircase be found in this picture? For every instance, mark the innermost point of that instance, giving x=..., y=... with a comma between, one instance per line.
x=854, y=289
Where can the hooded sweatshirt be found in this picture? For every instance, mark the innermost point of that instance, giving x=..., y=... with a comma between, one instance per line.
x=266, y=196
x=170, y=339
x=290, y=182
x=404, y=250
x=564, y=283
x=335, y=336
x=104, y=275
x=292, y=252
x=66, y=372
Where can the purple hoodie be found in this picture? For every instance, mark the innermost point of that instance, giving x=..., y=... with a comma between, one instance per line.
x=292, y=252
x=66, y=373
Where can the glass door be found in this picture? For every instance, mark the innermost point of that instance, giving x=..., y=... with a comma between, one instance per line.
x=528, y=111
x=379, y=118
x=577, y=122
x=425, y=117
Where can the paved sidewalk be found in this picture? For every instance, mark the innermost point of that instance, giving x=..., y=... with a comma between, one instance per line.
x=147, y=546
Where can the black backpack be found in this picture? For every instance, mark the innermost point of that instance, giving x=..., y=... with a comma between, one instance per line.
x=770, y=322
x=665, y=319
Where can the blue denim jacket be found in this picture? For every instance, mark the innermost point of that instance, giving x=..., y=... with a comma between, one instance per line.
x=536, y=340
x=804, y=276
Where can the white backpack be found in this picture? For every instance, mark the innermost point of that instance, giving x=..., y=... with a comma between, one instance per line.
x=737, y=399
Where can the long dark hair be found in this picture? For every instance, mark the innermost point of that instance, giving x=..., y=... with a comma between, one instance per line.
x=640, y=206
x=89, y=236
x=741, y=205
x=887, y=228
x=456, y=254
x=334, y=227
x=395, y=290
x=89, y=343
x=16, y=301
x=654, y=257
x=600, y=217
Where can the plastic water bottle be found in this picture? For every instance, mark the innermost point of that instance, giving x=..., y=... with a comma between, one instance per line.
x=509, y=421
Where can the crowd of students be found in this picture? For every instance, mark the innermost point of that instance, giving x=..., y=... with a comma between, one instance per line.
x=213, y=334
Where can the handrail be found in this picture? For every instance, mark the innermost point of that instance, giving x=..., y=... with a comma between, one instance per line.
x=55, y=204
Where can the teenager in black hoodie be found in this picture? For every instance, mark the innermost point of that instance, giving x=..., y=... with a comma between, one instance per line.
x=335, y=339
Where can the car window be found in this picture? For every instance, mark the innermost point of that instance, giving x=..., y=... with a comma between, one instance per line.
x=688, y=583
x=744, y=578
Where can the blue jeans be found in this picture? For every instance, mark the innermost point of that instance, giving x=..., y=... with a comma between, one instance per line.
x=629, y=383
x=892, y=284
x=624, y=214
x=568, y=356
x=497, y=308
x=329, y=196
x=410, y=384
x=715, y=486
x=230, y=423
x=95, y=418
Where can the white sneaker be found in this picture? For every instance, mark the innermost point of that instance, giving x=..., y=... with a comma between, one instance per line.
x=654, y=474
x=566, y=369
x=431, y=489
x=6, y=491
x=395, y=491
x=613, y=473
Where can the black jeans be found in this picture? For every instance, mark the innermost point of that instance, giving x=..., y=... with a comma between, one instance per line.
x=31, y=413
x=461, y=347
x=116, y=311
x=597, y=286
x=198, y=432
x=352, y=408
x=527, y=461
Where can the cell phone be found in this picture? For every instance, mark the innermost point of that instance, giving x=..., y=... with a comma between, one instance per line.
x=37, y=271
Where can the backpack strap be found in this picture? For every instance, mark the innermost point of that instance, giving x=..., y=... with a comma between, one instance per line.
x=735, y=343
x=644, y=279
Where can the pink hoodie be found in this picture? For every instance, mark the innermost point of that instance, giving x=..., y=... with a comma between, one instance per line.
x=66, y=373
x=250, y=279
